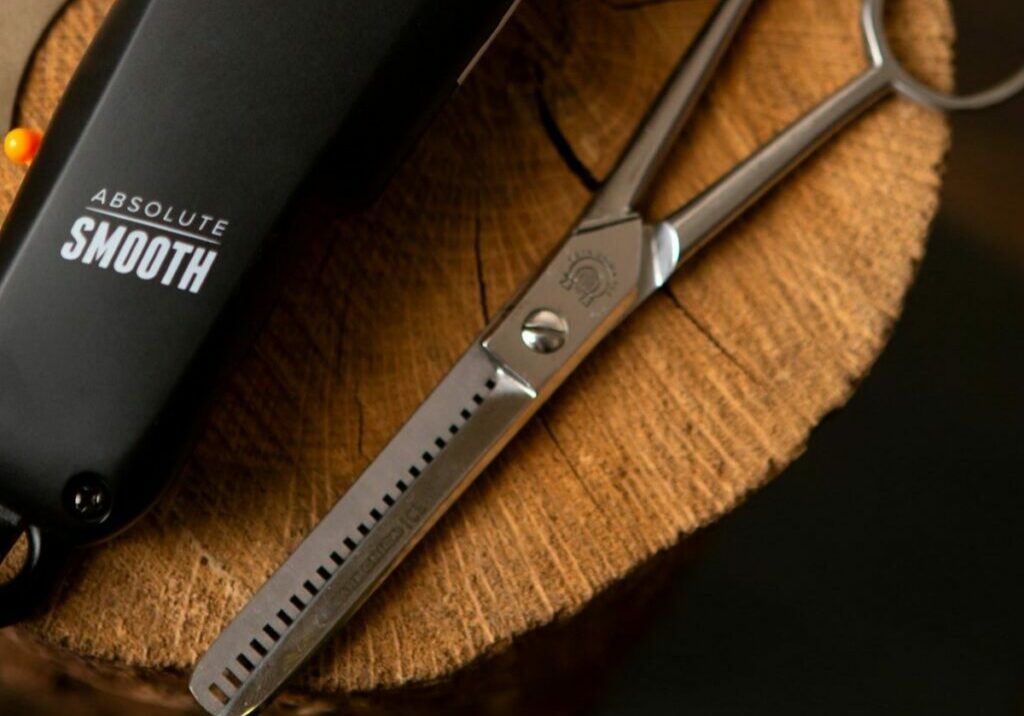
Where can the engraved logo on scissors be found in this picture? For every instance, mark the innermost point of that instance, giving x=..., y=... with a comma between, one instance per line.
x=590, y=276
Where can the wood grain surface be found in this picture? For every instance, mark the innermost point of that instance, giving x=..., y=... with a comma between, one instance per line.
x=709, y=391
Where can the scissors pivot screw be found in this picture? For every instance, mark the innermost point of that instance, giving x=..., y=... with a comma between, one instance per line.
x=544, y=331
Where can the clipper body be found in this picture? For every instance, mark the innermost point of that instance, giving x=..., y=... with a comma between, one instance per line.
x=125, y=258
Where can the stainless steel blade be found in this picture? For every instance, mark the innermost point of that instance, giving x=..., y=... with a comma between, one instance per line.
x=606, y=268
x=467, y=420
x=599, y=275
x=22, y=28
x=479, y=406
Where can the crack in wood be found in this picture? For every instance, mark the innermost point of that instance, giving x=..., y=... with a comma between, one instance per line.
x=706, y=332
x=563, y=146
x=480, y=280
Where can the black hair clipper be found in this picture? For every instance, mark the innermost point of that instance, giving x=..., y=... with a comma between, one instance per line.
x=186, y=130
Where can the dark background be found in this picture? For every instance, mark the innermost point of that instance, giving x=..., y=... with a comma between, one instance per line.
x=883, y=572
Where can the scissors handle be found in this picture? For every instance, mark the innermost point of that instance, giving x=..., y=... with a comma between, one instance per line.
x=639, y=164
x=717, y=206
x=711, y=211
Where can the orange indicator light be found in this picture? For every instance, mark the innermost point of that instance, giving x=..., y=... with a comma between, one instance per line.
x=21, y=145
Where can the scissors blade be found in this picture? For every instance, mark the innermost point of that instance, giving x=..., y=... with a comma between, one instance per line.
x=23, y=26
x=497, y=385
x=605, y=268
x=456, y=432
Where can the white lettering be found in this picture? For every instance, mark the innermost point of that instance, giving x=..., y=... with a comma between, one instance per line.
x=131, y=251
x=181, y=250
x=72, y=250
x=104, y=245
x=198, y=268
x=154, y=257
x=127, y=246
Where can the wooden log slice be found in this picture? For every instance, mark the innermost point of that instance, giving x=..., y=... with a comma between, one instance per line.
x=709, y=391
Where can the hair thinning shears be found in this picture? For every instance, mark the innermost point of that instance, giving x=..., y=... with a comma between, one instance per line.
x=609, y=264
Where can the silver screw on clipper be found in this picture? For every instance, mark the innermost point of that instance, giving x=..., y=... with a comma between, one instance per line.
x=87, y=497
x=544, y=331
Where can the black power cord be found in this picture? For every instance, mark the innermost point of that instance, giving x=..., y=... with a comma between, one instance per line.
x=28, y=590
x=11, y=529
